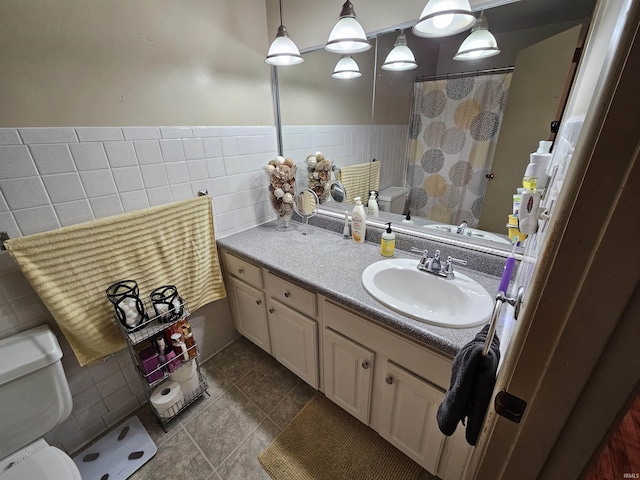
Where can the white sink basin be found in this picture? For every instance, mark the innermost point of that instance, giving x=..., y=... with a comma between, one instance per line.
x=472, y=233
x=457, y=303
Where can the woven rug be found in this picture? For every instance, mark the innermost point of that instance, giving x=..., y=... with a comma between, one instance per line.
x=325, y=442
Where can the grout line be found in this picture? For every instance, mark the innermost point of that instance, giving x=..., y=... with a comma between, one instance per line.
x=201, y=451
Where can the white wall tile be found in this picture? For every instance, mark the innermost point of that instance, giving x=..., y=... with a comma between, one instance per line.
x=103, y=369
x=30, y=311
x=72, y=213
x=212, y=147
x=63, y=187
x=181, y=192
x=98, y=183
x=3, y=204
x=215, y=167
x=233, y=165
x=172, y=150
x=99, y=134
x=24, y=192
x=197, y=169
x=85, y=399
x=115, y=399
x=122, y=410
x=193, y=148
x=80, y=381
x=89, y=156
x=231, y=131
x=47, y=135
x=120, y=154
x=84, y=436
x=9, y=225
x=159, y=196
x=52, y=158
x=106, y=206
x=177, y=172
x=148, y=152
x=205, y=131
x=176, y=132
x=128, y=179
x=237, y=183
x=154, y=175
x=218, y=186
x=229, y=146
x=134, y=200
x=110, y=384
x=15, y=285
x=16, y=162
x=9, y=136
x=90, y=415
x=198, y=186
x=141, y=133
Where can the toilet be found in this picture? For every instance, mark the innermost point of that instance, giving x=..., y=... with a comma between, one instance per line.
x=35, y=397
x=393, y=200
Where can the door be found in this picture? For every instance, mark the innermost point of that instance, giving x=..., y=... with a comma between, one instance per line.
x=410, y=405
x=348, y=370
x=294, y=341
x=249, y=313
x=575, y=319
x=540, y=72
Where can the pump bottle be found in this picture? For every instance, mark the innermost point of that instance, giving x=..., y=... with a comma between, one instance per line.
x=358, y=222
x=388, y=242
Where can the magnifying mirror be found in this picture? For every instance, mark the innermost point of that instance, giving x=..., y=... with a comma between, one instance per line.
x=338, y=192
x=305, y=203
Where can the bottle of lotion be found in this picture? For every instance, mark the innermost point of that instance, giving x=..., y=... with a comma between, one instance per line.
x=358, y=222
x=372, y=205
x=388, y=242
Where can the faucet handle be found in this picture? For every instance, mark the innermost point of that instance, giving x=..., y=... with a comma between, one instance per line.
x=419, y=250
x=425, y=256
x=448, y=268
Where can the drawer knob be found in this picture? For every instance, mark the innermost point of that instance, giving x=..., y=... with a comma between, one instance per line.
x=258, y=302
x=287, y=294
x=241, y=271
x=389, y=380
x=365, y=365
x=271, y=310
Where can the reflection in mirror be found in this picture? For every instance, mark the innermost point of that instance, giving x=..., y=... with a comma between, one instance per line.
x=338, y=192
x=305, y=203
x=334, y=116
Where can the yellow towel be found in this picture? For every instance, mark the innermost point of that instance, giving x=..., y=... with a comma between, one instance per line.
x=358, y=180
x=70, y=268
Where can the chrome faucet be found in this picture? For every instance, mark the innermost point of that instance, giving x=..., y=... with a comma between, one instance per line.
x=434, y=264
x=462, y=228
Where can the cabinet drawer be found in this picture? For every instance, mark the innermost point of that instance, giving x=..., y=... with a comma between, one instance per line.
x=244, y=270
x=290, y=294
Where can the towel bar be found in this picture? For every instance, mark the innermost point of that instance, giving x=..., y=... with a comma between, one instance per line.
x=500, y=299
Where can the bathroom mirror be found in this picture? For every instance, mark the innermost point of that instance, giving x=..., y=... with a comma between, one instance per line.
x=337, y=192
x=368, y=118
x=305, y=203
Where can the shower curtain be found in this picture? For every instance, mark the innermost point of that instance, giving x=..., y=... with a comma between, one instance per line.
x=452, y=138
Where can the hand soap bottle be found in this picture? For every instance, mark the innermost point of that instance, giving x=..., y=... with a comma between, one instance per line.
x=388, y=242
x=358, y=222
x=372, y=205
x=535, y=176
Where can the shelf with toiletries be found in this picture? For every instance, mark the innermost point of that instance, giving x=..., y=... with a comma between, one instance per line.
x=161, y=347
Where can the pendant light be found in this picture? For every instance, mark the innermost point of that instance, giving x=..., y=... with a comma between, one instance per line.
x=348, y=35
x=346, y=68
x=479, y=44
x=401, y=57
x=283, y=51
x=441, y=18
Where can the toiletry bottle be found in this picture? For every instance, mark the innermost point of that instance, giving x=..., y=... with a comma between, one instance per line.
x=388, y=242
x=358, y=222
x=535, y=176
x=188, y=340
x=372, y=205
x=345, y=229
x=407, y=219
x=179, y=346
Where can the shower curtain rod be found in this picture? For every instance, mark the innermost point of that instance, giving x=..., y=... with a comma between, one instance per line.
x=477, y=73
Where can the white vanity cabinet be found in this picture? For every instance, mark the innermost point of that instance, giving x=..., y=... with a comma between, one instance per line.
x=393, y=385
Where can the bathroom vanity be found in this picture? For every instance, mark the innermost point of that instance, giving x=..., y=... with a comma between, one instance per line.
x=300, y=298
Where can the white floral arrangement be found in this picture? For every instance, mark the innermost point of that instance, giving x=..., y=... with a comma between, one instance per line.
x=282, y=182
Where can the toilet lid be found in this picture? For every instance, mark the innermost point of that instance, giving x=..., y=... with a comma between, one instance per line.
x=47, y=463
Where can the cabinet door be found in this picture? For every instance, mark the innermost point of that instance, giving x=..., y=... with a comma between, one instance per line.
x=249, y=313
x=409, y=420
x=294, y=341
x=348, y=370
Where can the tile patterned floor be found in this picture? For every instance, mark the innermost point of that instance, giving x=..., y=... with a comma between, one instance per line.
x=252, y=398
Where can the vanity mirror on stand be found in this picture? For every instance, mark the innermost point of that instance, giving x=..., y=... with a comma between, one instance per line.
x=381, y=118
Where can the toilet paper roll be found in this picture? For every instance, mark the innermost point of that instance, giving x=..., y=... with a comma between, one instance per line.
x=187, y=377
x=166, y=396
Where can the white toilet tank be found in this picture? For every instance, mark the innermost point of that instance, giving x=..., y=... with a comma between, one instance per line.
x=34, y=392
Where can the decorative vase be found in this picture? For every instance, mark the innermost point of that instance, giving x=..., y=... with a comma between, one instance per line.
x=282, y=189
x=319, y=174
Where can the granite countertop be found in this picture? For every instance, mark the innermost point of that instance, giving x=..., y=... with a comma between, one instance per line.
x=326, y=263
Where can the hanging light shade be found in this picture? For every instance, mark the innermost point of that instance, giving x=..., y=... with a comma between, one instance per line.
x=283, y=51
x=348, y=35
x=346, y=68
x=441, y=18
x=401, y=57
x=479, y=44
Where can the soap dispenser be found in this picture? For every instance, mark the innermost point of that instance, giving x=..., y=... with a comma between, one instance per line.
x=372, y=205
x=388, y=242
x=535, y=176
x=407, y=219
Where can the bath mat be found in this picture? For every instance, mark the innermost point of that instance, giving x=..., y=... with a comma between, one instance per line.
x=324, y=441
x=117, y=455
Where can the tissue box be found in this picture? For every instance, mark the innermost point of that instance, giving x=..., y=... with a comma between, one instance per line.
x=149, y=362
